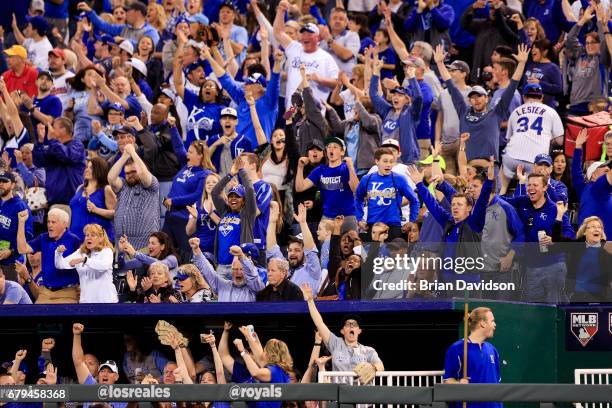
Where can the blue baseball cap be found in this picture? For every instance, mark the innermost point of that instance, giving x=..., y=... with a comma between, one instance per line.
x=543, y=158
x=193, y=66
x=116, y=106
x=105, y=39
x=256, y=78
x=533, y=90
x=181, y=276
x=198, y=18
x=251, y=250
x=238, y=190
x=400, y=90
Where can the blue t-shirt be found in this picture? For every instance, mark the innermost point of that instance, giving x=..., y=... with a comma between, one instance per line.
x=483, y=368
x=205, y=230
x=278, y=376
x=228, y=235
x=55, y=278
x=336, y=192
x=389, y=57
x=240, y=144
x=14, y=293
x=203, y=120
x=9, y=220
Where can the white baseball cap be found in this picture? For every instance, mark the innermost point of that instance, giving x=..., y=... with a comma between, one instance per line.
x=391, y=143
x=594, y=166
x=127, y=47
x=138, y=65
x=229, y=112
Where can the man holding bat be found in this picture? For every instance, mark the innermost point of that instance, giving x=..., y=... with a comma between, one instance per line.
x=482, y=357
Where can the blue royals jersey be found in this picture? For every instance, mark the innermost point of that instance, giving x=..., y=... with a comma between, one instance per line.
x=482, y=368
x=228, y=234
x=240, y=144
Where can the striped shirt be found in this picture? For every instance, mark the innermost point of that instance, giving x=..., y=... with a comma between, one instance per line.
x=137, y=212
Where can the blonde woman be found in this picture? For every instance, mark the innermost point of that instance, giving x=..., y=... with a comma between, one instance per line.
x=191, y=284
x=589, y=257
x=202, y=218
x=156, y=287
x=94, y=264
x=276, y=367
x=156, y=16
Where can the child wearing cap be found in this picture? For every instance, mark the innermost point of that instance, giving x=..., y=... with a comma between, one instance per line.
x=226, y=146
x=336, y=181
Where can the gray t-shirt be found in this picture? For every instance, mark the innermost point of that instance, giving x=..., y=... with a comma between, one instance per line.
x=345, y=358
x=450, y=120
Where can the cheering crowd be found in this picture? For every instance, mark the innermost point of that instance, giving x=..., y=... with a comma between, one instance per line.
x=229, y=151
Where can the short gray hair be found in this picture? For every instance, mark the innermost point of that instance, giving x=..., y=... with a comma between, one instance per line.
x=283, y=264
x=427, y=50
x=60, y=214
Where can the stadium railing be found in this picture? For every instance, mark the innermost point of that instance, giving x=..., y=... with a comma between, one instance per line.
x=593, y=376
x=344, y=395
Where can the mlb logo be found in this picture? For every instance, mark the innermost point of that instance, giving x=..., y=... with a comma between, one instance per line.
x=610, y=322
x=584, y=326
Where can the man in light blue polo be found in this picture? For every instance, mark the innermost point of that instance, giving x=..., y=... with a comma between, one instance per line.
x=482, y=359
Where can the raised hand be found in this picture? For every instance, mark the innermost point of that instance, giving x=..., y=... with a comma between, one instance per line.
x=307, y=291
x=21, y=355
x=521, y=174
x=249, y=98
x=274, y=212
x=171, y=120
x=48, y=344
x=300, y=217
x=235, y=250
x=146, y=283
x=561, y=209
x=439, y=54
x=523, y=54
x=303, y=161
x=193, y=211
x=239, y=345
x=77, y=329
x=82, y=6
x=131, y=280
x=415, y=175
x=51, y=375
x=491, y=168
x=236, y=166
x=23, y=215
x=227, y=326
x=582, y=137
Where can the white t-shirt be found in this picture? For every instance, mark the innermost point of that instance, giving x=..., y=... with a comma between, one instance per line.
x=38, y=52
x=362, y=5
x=319, y=62
x=531, y=127
x=61, y=89
x=349, y=103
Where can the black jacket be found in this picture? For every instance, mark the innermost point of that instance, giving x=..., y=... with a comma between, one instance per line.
x=158, y=153
x=287, y=290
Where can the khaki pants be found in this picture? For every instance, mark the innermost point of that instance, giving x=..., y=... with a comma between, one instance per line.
x=66, y=295
x=449, y=153
x=424, y=147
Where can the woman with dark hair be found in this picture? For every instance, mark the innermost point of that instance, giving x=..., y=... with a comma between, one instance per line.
x=145, y=51
x=204, y=108
x=82, y=84
x=187, y=187
x=561, y=172
x=168, y=97
x=94, y=202
x=160, y=249
x=541, y=70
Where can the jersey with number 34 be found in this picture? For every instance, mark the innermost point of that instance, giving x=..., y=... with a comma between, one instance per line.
x=531, y=127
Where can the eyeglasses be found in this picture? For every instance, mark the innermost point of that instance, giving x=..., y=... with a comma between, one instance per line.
x=351, y=324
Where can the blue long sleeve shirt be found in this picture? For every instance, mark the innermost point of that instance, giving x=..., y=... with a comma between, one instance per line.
x=408, y=120
x=64, y=164
x=595, y=197
x=124, y=30
x=9, y=220
x=556, y=191
x=440, y=17
x=384, y=196
x=550, y=15
x=267, y=106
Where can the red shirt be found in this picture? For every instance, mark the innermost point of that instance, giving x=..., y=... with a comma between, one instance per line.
x=26, y=82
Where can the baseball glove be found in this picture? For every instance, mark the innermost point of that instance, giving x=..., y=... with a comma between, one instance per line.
x=366, y=372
